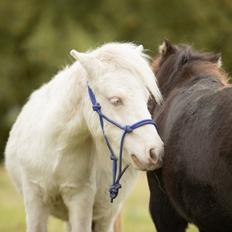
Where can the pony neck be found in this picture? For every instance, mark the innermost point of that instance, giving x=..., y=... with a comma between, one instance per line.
x=69, y=90
x=190, y=74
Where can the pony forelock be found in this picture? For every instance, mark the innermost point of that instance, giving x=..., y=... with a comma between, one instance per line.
x=133, y=58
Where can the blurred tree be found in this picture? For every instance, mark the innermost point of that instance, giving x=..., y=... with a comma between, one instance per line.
x=36, y=36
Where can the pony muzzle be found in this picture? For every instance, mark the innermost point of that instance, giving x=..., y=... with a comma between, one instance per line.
x=151, y=163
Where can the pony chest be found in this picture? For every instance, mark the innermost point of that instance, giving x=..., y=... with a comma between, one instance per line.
x=73, y=169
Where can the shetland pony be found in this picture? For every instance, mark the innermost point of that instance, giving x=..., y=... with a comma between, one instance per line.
x=56, y=153
x=195, y=123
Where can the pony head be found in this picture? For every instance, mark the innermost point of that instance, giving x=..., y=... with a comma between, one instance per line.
x=175, y=64
x=122, y=81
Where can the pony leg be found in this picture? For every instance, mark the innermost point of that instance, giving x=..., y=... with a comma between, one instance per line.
x=164, y=216
x=118, y=224
x=80, y=207
x=210, y=230
x=36, y=212
x=106, y=223
x=67, y=227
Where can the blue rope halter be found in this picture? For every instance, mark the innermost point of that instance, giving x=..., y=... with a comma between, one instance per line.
x=117, y=171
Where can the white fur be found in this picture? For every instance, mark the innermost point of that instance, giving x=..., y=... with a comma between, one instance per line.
x=56, y=155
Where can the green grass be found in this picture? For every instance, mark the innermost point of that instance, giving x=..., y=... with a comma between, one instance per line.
x=135, y=212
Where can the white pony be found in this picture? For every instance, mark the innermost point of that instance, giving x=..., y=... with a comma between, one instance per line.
x=56, y=154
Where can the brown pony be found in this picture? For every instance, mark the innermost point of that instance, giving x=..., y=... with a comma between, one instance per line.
x=195, y=123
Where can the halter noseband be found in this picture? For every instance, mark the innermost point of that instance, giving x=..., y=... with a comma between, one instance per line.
x=117, y=171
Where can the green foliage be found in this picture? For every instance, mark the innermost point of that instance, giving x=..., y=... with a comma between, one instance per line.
x=36, y=36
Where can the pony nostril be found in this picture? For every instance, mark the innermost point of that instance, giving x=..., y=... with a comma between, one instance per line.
x=153, y=155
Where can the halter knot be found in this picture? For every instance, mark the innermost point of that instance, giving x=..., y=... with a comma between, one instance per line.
x=96, y=107
x=114, y=188
x=113, y=157
x=128, y=129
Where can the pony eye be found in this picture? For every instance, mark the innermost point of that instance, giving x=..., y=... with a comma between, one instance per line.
x=116, y=101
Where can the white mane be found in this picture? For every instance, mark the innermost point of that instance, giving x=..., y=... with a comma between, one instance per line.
x=131, y=57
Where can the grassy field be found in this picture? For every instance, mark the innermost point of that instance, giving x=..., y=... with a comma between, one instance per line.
x=135, y=213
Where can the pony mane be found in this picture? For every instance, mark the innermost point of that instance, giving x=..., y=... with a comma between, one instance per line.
x=183, y=57
x=214, y=61
x=132, y=58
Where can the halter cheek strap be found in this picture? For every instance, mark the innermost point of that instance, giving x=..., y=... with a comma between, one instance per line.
x=117, y=170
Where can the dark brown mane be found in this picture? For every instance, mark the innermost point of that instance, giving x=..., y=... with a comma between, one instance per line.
x=177, y=64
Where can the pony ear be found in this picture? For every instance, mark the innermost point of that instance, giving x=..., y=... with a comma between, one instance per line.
x=219, y=61
x=166, y=48
x=140, y=48
x=215, y=58
x=88, y=61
